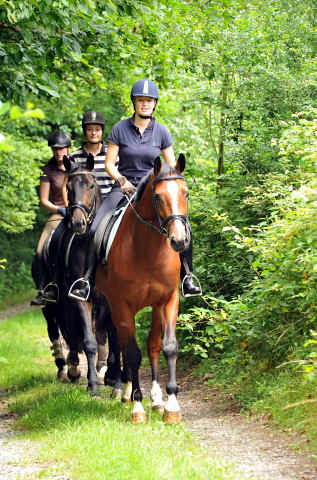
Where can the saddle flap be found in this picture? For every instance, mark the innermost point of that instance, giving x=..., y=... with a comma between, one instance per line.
x=106, y=231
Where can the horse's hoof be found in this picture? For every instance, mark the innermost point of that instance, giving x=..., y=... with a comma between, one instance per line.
x=73, y=378
x=158, y=409
x=138, y=417
x=116, y=393
x=172, y=417
x=126, y=400
x=62, y=377
x=94, y=394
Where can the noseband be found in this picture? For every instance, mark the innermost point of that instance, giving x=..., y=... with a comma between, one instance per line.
x=162, y=221
x=89, y=212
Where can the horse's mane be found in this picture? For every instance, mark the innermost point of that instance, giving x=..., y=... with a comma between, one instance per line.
x=165, y=170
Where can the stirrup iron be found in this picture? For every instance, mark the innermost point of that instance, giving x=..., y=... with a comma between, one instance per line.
x=191, y=275
x=75, y=297
x=48, y=299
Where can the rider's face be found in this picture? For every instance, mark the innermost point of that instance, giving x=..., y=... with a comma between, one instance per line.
x=144, y=105
x=93, y=132
x=59, y=153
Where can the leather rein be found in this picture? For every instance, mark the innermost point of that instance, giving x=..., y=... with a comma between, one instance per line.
x=90, y=211
x=162, y=221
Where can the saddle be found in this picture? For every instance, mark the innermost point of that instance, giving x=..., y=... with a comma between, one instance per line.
x=52, y=247
x=107, y=229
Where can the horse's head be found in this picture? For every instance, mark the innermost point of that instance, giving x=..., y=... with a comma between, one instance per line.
x=170, y=194
x=83, y=193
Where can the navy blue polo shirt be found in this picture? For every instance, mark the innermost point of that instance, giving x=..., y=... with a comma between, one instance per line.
x=137, y=152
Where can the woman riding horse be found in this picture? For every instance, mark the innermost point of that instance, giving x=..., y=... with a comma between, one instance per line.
x=137, y=141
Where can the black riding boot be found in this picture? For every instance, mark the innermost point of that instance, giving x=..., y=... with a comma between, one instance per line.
x=39, y=273
x=80, y=289
x=189, y=289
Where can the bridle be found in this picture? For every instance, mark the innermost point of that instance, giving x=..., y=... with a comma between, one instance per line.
x=162, y=221
x=90, y=211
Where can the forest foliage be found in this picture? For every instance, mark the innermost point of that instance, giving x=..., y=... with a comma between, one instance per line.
x=238, y=91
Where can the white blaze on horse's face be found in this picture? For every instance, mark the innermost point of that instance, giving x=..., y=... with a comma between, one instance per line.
x=174, y=202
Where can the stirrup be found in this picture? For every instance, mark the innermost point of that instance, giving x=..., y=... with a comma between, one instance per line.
x=75, y=297
x=48, y=299
x=191, y=275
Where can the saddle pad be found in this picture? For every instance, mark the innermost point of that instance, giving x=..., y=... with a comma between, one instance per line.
x=112, y=233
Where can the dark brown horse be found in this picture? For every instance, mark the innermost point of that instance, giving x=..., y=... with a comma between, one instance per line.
x=72, y=317
x=143, y=269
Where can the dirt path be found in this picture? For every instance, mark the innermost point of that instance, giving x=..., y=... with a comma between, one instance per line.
x=256, y=449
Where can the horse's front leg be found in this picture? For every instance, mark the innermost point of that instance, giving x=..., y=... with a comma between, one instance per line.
x=154, y=344
x=89, y=344
x=170, y=349
x=123, y=319
x=56, y=347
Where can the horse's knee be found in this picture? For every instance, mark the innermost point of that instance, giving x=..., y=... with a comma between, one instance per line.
x=170, y=348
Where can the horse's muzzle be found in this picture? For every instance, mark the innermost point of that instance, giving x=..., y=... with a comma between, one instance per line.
x=78, y=226
x=179, y=236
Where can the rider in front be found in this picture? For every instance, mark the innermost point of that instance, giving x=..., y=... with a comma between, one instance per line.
x=53, y=200
x=137, y=141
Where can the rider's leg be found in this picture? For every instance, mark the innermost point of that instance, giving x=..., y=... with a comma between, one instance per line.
x=40, y=270
x=81, y=287
x=51, y=290
x=189, y=289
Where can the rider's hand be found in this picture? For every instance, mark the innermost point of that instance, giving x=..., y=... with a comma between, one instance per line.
x=126, y=187
x=62, y=211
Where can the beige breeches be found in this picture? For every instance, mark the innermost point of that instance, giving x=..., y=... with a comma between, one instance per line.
x=54, y=220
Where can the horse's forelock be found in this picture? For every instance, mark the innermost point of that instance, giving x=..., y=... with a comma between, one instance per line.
x=165, y=171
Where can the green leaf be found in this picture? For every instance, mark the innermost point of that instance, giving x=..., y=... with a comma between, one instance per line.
x=4, y=107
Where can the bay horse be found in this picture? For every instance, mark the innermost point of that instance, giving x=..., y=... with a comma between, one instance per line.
x=74, y=318
x=142, y=269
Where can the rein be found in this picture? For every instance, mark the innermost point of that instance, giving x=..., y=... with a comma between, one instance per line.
x=162, y=221
x=88, y=211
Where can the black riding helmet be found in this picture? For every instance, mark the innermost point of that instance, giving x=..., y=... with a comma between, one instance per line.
x=93, y=117
x=59, y=139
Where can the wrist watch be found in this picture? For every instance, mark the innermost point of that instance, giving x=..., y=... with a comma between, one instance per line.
x=121, y=180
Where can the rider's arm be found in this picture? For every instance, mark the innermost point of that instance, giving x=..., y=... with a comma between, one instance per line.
x=64, y=191
x=111, y=158
x=113, y=172
x=168, y=155
x=44, y=197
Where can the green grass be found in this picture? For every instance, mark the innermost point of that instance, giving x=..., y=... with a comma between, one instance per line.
x=91, y=438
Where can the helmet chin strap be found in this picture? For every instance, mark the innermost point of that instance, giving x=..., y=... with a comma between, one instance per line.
x=145, y=117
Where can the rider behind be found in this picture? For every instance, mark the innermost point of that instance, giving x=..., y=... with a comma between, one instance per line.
x=52, y=199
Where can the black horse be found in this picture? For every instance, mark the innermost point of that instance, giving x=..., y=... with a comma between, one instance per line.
x=73, y=318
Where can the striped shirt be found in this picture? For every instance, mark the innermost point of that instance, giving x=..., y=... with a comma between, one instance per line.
x=104, y=181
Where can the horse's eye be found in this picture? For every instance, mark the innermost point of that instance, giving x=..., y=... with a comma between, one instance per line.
x=91, y=186
x=158, y=198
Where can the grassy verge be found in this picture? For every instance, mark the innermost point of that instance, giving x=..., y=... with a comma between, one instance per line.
x=90, y=438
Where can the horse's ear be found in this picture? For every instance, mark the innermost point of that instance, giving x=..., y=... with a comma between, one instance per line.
x=157, y=165
x=67, y=163
x=181, y=162
x=90, y=162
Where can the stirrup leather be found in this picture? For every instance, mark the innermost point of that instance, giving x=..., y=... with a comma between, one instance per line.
x=191, y=275
x=75, y=297
x=48, y=299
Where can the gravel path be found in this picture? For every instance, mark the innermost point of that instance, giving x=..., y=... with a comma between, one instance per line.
x=255, y=448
